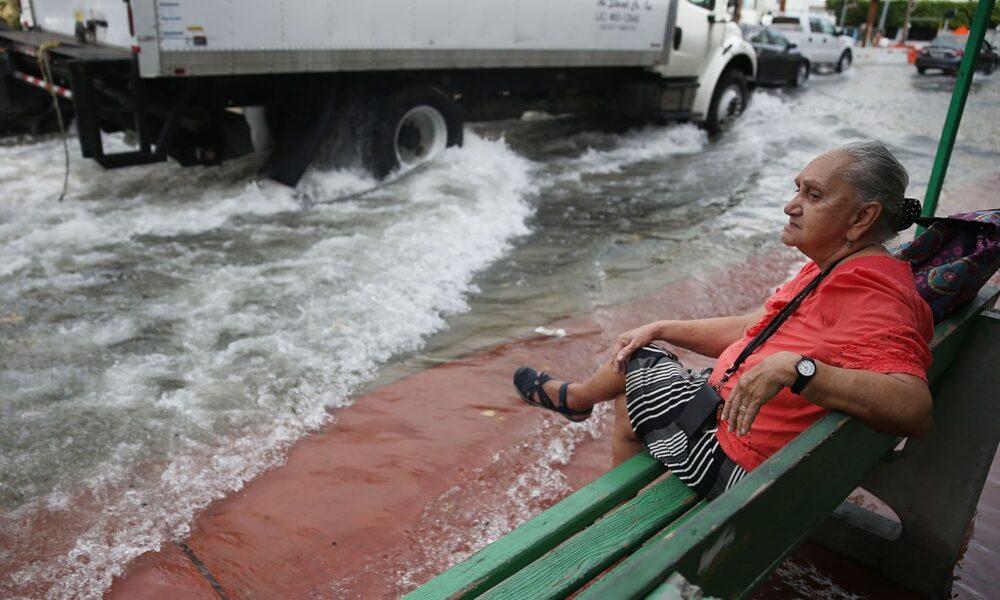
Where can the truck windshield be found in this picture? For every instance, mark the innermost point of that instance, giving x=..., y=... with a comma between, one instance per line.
x=789, y=23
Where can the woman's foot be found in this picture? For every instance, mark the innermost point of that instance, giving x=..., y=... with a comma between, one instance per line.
x=539, y=389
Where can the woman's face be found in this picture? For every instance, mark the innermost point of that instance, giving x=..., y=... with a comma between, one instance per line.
x=823, y=208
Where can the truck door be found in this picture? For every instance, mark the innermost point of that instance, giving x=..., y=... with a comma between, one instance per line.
x=824, y=46
x=694, y=37
x=769, y=51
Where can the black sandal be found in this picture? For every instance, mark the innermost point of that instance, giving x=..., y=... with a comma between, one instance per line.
x=528, y=383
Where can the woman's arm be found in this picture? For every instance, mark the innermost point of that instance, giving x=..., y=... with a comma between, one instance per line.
x=894, y=403
x=704, y=336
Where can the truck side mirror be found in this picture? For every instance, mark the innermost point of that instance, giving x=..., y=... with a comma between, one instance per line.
x=791, y=46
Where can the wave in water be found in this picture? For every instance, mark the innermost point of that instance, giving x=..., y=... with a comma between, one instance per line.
x=171, y=331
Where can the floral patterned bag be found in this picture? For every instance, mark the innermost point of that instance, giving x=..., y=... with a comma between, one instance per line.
x=954, y=258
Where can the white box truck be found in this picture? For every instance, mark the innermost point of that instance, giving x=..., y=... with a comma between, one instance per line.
x=390, y=81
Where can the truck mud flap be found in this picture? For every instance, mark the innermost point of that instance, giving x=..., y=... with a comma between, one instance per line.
x=308, y=119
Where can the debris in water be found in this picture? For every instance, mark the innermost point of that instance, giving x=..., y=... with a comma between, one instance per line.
x=550, y=332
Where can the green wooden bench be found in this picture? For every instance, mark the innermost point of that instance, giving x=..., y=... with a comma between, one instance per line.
x=609, y=541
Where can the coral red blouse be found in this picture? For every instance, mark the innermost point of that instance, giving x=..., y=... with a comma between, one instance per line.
x=865, y=315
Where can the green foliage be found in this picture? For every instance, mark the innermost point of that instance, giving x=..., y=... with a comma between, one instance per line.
x=927, y=13
x=10, y=12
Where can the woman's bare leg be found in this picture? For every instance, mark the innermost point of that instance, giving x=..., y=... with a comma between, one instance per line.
x=624, y=444
x=605, y=384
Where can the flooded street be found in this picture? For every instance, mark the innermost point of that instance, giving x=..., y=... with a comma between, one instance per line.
x=166, y=334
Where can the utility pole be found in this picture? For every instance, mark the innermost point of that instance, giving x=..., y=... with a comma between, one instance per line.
x=848, y=4
x=948, y=16
x=872, y=10
x=881, y=21
x=906, y=22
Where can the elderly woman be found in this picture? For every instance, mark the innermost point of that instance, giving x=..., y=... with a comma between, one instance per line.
x=855, y=340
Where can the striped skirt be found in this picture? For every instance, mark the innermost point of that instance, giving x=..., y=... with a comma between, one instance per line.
x=658, y=389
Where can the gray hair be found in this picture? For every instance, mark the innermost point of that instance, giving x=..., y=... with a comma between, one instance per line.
x=879, y=177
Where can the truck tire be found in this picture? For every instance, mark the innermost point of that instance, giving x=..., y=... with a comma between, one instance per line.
x=844, y=63
x=728, y=101
x=412, y=126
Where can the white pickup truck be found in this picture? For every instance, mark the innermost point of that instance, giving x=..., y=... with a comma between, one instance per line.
x=817, y=38
x=391, y=81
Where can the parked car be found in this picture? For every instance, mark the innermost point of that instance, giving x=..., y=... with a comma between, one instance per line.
x=779, y=61
x=946, y=50
x=818, y=39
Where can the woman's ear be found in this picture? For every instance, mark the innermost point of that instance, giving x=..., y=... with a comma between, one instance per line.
x=865, y=219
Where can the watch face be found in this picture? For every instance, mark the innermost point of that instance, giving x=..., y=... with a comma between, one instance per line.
x=806, y=367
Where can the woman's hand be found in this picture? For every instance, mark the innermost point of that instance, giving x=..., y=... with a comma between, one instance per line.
x=755, y=387
x=630, y=341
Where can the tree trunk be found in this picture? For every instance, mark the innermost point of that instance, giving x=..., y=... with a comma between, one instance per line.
x=870, y=27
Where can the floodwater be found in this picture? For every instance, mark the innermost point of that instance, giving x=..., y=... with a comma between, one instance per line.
x=167, y=333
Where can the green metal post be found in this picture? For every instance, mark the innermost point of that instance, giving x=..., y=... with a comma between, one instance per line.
x=957, y=107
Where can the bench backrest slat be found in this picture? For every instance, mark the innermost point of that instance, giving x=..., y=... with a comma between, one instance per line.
x=583, y=557
x=651, y=543
x=793, y=490
x=522, y=546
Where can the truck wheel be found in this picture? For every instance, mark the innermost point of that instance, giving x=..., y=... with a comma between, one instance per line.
x=728, y=101
x=412, y=126
x=922, y=70
x=845, y=62
x=801, y=75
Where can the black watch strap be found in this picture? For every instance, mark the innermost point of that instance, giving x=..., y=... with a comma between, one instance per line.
x=805, y=369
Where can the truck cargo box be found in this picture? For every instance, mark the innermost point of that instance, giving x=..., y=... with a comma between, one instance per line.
x=199, y=37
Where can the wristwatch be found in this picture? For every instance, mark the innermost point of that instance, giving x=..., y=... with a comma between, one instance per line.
x=804, y=371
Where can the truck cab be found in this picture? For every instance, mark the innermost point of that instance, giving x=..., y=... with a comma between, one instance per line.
x=708, y=44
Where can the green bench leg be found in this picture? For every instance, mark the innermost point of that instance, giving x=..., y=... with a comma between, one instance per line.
x=934, y=483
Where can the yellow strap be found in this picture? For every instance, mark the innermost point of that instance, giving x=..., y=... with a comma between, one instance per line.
x=46, y=69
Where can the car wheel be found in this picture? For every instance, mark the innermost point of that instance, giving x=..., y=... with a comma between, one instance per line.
x=844, y=63
x=922, y=70
x=801, y=75
x=412, y=126
x=728, y=101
